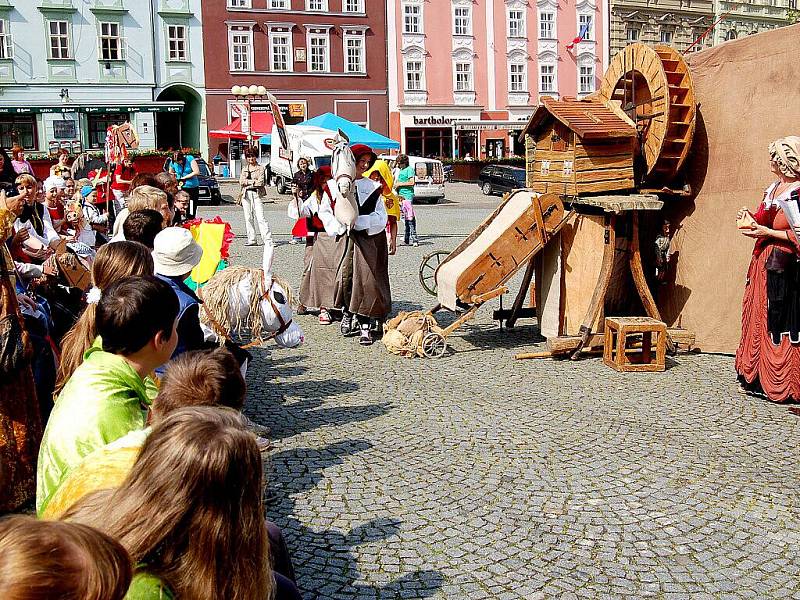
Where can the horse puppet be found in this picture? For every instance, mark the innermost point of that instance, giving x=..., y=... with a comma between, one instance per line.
x=343, y=168
x=249, y=305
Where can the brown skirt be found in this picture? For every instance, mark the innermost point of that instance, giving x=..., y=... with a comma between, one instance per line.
x=319, y=277
x=362, y=284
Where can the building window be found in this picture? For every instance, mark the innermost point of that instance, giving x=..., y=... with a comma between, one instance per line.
x=354, y=59
x=59, y=39
x=547, y=25
x=280, y=52
x=632, y=33
x=280, y=4
x=792, y=4
x=462, y=20
x=239, y=4
x=731, y=35
x=316, y=4
x=547, y=78
x=110, y=42
x=99, y=123
x=666, y=36
x=516, y=23
x=18, y=131
x=318, y=55
x=355, y=6
x=586, y=22
x=414, y=76
x=517, y=78
x=464, y=77
x=586, y=79
x=6, y=43
x=241, y=44
x=176, y=40
x=412, y=18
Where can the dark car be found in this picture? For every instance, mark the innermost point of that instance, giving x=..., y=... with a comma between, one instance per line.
x=499, y=179
x=208, y=190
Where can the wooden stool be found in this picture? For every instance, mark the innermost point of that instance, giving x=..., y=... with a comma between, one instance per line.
x=623, y=334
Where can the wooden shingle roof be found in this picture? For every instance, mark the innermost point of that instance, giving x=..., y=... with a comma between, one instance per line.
x=589, y=118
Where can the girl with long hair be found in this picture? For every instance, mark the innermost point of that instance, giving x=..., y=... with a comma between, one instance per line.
x=112, y=263
x=190, y=512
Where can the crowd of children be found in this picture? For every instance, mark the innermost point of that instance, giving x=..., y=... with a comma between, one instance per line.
x=142, y=489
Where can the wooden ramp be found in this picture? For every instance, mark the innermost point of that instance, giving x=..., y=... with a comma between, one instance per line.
x=513, y=234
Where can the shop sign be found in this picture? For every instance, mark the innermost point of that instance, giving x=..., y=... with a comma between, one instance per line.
x=297, y=110
x=433, y=120
x=36, y=110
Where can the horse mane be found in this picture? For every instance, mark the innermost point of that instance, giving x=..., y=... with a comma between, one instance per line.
x=217, y=297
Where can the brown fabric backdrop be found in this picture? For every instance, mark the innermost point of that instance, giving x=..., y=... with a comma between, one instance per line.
x=748, y=92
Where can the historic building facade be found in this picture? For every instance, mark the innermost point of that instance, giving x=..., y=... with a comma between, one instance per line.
x=464, y=75
x=675, y=22
x=70, y=68
x=316, y=56
x=692, y=24
x=747, y=18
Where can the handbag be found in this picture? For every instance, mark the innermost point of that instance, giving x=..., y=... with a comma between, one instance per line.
x=74, y=271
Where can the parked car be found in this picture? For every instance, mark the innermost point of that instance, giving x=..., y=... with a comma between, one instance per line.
x=429, y=181
x=499, y=179
x=208, y=190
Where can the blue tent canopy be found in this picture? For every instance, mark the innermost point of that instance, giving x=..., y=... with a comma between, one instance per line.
x=356, y=133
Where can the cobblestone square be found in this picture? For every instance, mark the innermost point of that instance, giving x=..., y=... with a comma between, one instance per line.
x=477, y=476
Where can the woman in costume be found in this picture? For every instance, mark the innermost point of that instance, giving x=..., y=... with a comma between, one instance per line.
x=20, y=419
x=319, y=277
x=362, y=286
x=768, y=358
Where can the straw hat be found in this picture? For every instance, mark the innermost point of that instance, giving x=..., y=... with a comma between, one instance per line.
x=175, y=252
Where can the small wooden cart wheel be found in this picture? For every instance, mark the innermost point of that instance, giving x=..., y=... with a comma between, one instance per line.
x=427, y=270
x=434, y=345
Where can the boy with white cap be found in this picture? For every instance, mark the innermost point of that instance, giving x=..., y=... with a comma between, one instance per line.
x=175, y=254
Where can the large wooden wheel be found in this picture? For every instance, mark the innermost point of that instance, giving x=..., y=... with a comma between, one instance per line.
x=653, y=86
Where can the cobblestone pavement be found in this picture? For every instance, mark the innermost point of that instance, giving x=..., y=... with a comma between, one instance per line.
x=475, y=476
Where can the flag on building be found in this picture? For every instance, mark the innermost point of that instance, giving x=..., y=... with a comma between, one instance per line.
x=581, y=36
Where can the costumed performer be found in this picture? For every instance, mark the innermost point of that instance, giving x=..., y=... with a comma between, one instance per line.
x=362, y=286
x=20, y=419
x=768, y=358
x=319, y=277
x=382, y=174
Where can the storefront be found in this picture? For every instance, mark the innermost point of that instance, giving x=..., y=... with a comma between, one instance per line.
x=78, y=127
x=428, y=131
x=495, y=139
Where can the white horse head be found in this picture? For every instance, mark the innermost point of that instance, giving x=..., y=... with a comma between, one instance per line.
x=242, y=302
x=343, y=168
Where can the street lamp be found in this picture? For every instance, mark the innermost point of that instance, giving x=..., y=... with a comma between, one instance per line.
x=249, y=93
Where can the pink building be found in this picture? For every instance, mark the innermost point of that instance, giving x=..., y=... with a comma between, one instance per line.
x=464, y=75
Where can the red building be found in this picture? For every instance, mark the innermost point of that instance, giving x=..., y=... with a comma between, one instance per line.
x=316, y=56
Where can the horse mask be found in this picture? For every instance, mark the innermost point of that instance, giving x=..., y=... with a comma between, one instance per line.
x=343, y=167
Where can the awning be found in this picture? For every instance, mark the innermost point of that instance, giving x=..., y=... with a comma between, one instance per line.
x=260, y=124
x=355, y=133
x=8, y=108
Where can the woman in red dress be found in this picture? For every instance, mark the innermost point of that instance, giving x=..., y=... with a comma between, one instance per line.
x=768, y=358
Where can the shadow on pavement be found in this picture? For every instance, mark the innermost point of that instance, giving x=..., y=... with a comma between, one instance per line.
x=324, y=562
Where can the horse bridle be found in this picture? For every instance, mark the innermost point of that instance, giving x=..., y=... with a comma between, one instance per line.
x=220, y=330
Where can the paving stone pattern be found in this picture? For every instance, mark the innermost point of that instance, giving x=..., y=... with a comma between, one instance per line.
x=475, y=476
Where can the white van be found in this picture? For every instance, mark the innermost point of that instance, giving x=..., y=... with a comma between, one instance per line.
x=313, y=143
x=429, y=182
